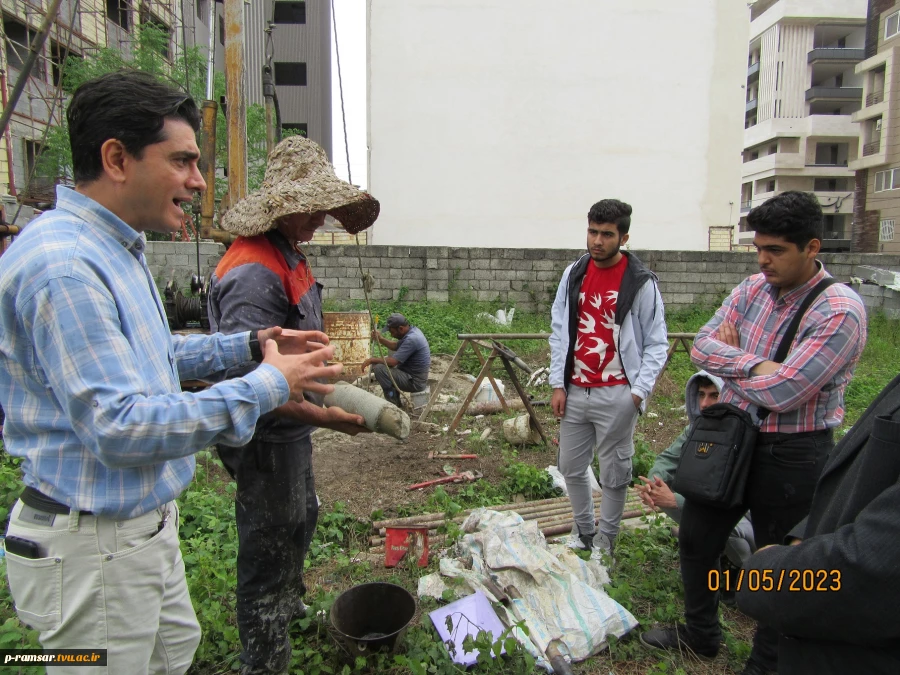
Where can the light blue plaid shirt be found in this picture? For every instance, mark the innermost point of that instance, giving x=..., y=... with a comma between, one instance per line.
x=89, y=373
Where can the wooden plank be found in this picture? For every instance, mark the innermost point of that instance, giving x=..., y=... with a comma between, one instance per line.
x=484, y=369
x=532, y=418
x=490, y=377
x=450, y=369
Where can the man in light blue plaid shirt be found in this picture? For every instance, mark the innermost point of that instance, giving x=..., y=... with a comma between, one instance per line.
x=90, y=382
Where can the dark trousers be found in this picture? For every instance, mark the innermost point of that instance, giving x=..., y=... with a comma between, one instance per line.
x=276, y=512
x=780, y=486
x=404, y=380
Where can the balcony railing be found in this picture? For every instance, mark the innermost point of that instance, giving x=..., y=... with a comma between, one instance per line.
x=751, y=105
x=872, y=148
x=874, y=97
x=834, y=93
x=829, y=164
x=746, y=206
x=833, y=54
x=753, y=71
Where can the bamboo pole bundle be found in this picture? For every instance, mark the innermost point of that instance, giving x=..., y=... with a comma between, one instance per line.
x=550, y=529
x=521, y=508
x=411, y=520
x=538, y=513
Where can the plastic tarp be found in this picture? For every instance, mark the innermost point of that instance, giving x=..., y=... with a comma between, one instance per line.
x=558, y=595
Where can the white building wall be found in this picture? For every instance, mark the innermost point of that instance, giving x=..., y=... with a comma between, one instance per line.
x=768, y=74
x=796, y=43
x=499, y=124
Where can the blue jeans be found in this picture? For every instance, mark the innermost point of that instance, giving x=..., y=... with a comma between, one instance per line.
x=783, y=475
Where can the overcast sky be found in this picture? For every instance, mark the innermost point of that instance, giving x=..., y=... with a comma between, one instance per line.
x=350, y=19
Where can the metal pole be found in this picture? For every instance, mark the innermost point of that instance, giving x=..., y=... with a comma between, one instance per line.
x=268, y=85
x=208, y=160
x=237, y=102
x=33, y=51
x=8, y=138
x=211, y=52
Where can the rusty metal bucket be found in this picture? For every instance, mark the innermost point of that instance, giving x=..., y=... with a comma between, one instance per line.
x=351, y=335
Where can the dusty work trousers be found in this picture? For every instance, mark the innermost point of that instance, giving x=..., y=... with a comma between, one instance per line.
x=276, y=512
x=107, y=584
x=404, y=380
x=601, y=420
x=783, y=475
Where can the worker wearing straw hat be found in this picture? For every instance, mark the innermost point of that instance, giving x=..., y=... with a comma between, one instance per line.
x=265, y=280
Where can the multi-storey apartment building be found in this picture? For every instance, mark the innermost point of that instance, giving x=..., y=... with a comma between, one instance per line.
x=802, y=92
x=300, y=47
x=878, y=167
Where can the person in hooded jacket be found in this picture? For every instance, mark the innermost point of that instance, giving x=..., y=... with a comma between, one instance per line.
x=702, y=390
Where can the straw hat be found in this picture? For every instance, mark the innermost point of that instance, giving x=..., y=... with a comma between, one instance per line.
x=300, y=179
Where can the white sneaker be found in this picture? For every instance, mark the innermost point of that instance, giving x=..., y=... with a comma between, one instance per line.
x=578, y=541
x=602, y=547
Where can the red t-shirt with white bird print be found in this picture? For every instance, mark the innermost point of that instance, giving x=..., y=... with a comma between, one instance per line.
x=597, y=361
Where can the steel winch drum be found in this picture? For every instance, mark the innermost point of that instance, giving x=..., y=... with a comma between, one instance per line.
x=372, y=617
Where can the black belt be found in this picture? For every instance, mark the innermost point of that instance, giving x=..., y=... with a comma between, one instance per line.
x=768, y=437
x=38, y=500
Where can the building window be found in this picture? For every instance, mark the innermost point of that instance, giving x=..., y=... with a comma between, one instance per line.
x=290, y=74
x=298, y=129
x=754, y=155
x=887, y=231
x=825, y=185
x=221, y=30
x=892, y=25
x=117, y=12
x=773, y=149
x=770, y=186
x=162, y=35
x=887, y=180
x=58, y=56
x=290, y=12
x=202, y=10
x=18, y=38
x=35, y=179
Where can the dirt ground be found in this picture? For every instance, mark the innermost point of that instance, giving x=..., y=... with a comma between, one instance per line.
x=370, y=472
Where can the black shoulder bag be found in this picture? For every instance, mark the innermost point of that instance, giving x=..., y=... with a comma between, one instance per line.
x=715, y=458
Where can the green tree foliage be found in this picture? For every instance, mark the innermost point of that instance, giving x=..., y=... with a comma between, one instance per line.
x=186, y=71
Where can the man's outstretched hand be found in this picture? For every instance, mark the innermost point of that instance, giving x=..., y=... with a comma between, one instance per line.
x=292, y=341
x=303, y=371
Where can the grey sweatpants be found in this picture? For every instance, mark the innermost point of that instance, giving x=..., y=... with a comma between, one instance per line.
x=600, y=418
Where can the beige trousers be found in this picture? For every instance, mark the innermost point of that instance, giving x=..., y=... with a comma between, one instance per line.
x=105, y=584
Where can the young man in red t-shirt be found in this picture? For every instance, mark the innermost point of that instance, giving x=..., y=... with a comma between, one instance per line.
x=607, y=347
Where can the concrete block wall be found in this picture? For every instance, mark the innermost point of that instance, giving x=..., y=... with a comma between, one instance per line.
x=179, y=259
x=526, y=278
x=879, y=298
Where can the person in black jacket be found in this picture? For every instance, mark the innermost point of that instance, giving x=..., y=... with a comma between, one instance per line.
x=835, y=585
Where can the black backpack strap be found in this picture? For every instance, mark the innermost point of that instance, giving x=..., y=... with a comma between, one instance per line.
x=785, y=345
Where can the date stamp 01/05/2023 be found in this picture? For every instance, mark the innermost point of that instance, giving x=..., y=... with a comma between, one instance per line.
x=809, y=581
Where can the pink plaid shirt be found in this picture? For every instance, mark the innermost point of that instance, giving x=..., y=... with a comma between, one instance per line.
x=807, y=392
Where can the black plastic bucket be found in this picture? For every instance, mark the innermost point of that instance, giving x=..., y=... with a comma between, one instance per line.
x=371, y=617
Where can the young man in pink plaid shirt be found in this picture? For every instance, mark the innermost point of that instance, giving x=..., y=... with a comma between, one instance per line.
x=805, y=395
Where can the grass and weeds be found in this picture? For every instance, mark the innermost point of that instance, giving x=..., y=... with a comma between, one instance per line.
x=645, y=578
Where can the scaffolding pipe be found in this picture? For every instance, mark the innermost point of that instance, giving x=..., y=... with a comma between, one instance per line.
x=236, y=99
x=210, y=110
x=7, y=137
x=34, y=50
x=211, y=52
